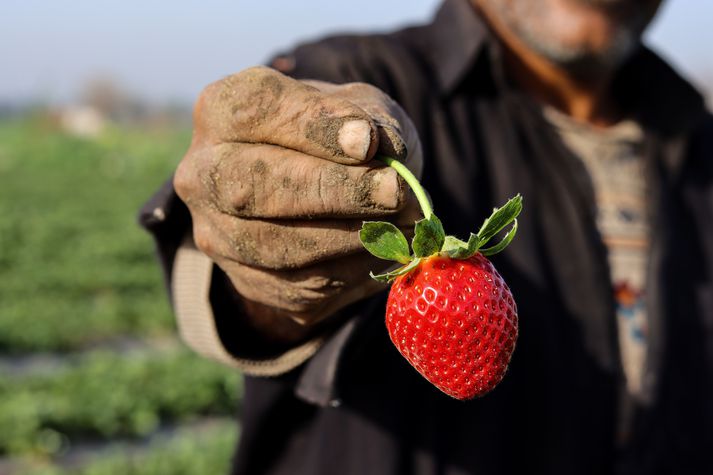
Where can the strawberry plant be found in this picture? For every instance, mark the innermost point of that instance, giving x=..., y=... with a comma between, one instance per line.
x=449, y=312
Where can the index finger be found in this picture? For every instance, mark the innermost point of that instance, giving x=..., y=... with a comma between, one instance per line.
x=261, y=105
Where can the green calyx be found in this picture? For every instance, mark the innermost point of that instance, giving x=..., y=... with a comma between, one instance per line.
x=386, y=241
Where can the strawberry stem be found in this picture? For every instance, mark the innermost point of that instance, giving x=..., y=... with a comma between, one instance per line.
x=412, y=182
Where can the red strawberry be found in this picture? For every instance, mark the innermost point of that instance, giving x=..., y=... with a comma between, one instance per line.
x=449, y=312
x=455, y=321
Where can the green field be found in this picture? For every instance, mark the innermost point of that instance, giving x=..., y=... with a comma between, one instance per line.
x=92, y=379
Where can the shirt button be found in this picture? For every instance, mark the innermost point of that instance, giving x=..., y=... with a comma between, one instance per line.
x=159, y=214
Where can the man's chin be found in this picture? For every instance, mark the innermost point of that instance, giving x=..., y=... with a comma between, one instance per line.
x=583, y=62
x=589, y=66
x=613, y=3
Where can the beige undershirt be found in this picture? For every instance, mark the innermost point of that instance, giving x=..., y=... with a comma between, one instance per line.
x=615, y=162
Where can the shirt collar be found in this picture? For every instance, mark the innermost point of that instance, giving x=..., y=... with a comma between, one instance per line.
x=654, y=93
x=657, y=96
x=456, y=38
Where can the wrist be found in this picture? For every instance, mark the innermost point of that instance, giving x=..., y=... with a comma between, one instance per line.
x=272, y=327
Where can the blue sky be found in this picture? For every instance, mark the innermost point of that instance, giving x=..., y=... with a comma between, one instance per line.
x=167, y=50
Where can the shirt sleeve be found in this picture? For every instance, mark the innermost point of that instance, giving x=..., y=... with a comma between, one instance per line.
x=190, y=290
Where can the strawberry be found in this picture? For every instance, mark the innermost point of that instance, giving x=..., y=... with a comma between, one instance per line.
x=455, y=321
x=449, y=312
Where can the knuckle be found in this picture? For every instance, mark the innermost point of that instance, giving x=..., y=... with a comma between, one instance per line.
x=184, y=180
x=211, y=90
x=230, y=181
x=205, y=99
x=258, y=85
x=256, y=72
x=221, y=98
x=254, y=96
x=192, y=178
x=204, y=239
x=237, y=99
x=210, y=174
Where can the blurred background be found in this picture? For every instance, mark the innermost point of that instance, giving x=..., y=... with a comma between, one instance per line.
x=95, y=100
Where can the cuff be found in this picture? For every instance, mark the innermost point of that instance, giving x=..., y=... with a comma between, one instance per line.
x=190, y=290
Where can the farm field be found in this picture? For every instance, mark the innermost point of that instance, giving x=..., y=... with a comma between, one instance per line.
x=93, y=380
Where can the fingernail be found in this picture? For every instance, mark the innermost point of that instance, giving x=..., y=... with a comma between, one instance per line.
x=355, y=138
x=386, y=189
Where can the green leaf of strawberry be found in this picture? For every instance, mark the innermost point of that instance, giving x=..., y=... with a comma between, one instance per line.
x=500, y=218
x=449, y=312
x=429, y=237
x=389, y=276
x=502, y=244
x=457, y=249
x=385, y=241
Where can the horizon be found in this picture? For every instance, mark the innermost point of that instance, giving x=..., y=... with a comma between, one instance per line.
x=172, y=50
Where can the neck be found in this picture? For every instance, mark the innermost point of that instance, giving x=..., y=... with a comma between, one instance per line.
x=586, y=99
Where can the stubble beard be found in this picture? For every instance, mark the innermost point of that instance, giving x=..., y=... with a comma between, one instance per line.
x=532, y=23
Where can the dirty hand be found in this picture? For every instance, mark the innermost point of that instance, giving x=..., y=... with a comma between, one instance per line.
x=278, y=180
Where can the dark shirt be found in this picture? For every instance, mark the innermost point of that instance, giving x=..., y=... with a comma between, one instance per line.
x=357, y=407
